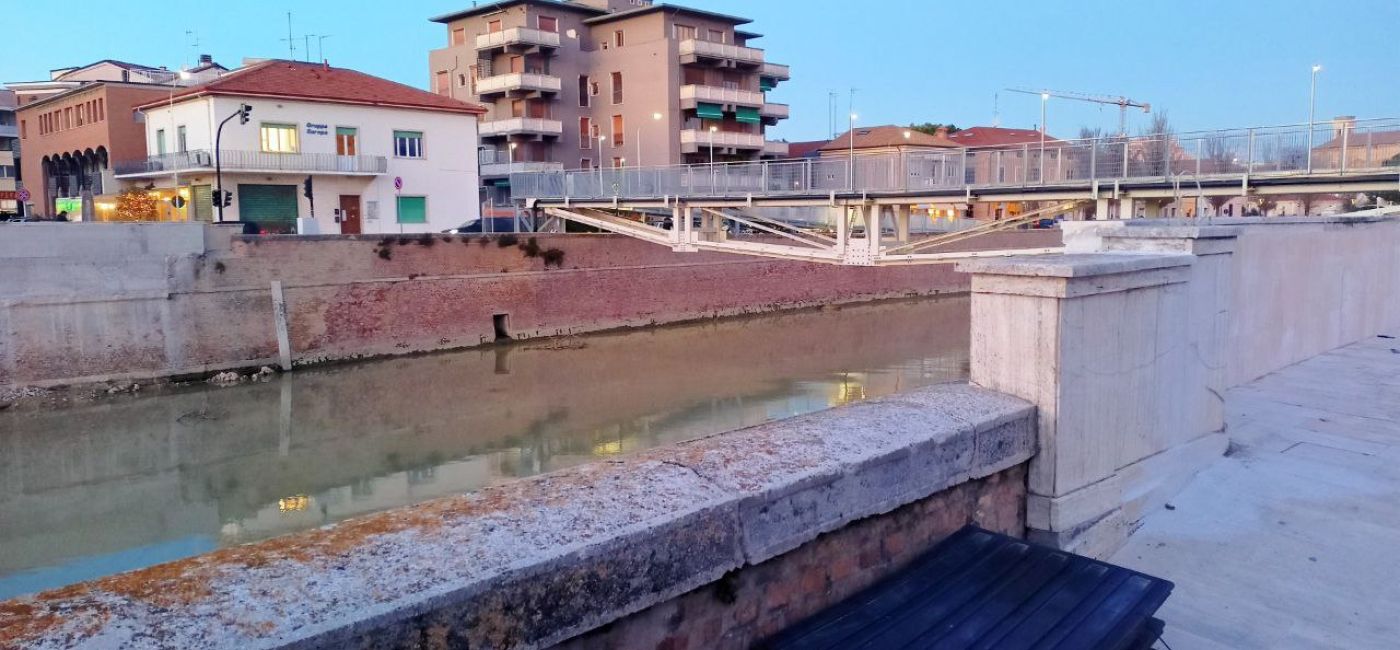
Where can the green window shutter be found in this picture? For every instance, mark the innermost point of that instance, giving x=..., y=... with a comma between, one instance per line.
x=342, y=130
x=408, y=134
x=413, y=209
x=747, y=114
x=767, y=83
x=709, y=111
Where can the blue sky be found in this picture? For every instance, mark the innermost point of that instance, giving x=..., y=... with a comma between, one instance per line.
x=1209, y=63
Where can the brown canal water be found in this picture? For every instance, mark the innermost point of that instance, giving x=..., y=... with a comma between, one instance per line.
x=129, y=482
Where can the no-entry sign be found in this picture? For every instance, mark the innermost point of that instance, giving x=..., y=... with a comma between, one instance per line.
x=22, y=195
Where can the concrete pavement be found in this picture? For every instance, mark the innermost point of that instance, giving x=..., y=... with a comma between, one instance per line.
x=1290, y=540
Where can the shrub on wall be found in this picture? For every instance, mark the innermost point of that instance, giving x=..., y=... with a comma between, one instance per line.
x=135, y=204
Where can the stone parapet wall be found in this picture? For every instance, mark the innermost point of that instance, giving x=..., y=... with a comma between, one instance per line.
x=540, y=561
x=200, y=301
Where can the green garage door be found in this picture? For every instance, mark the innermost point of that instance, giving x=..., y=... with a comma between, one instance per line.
x=272, y=207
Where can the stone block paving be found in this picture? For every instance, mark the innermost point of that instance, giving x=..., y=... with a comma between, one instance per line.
x=1290, y=540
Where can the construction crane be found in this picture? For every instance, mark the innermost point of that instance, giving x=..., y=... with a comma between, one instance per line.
x=1123, y=103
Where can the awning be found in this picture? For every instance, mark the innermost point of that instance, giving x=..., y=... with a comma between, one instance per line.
x=767, y=83
x=709, y=111
x=747, y=114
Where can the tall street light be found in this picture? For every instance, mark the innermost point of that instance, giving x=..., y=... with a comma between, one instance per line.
x=602, y=142
x=511, y=168
x=851, y=141
x=713, y=129
x=1312, y=112
x=655, y=117
x=176, y=201
x=1044, y=99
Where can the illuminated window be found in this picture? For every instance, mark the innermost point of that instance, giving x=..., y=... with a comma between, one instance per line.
x=618, y=131
x=278, y=138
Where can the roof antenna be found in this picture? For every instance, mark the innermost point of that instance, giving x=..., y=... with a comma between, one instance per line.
x=996, y=109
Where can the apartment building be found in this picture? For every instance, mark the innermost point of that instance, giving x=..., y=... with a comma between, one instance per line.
x=9, y=150
x=581, y=83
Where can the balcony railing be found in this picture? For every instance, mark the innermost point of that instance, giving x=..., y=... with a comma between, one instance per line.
x=712, y=94
x=517, y=36
x=525, y=125
x=496, y=162
x=775, y=111
x=9, y=131
x=517, y=81
x=235, y=160
x=1173, y=161
x=776, y=71
x=692, y=50
x=697, y=138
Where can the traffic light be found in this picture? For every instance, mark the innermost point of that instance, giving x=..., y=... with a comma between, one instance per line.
x=306, y=187
x=243, y=112
x=223, y=198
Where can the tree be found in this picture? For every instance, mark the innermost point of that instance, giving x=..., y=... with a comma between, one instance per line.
x=135, y=204
x=1158, y=144
x=931, y=128
x=1264, y=204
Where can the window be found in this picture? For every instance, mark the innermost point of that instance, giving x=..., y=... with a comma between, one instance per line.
x=181, y=140
x=619, y=161
x=593, y=88
x=717, y=36
x=683, y=32
x=101, y=109
x=23, y=129
x=160, y=142
x=347, y=141
x=583, y=90
x=413, y=209
x=494, y=27
x=617, y=38
x=585, y=163
x=517, y=108
x=408, y=144
x=278, y=138
x=548, y=24
x=617, y=87
x=459, y=36
x=443, y=83
x=585, y=133
x=617, y=131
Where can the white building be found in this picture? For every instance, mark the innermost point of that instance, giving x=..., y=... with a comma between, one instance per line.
x=381, y=157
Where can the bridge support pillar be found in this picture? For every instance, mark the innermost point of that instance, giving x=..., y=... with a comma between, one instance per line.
x=901, y=223
x=1101, y=209
x=873, y=216
x=1127, y=208
x=1153, y=208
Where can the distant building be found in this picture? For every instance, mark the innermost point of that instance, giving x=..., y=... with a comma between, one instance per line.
x=1010, y=160
x=886, y=139
x=587, y=83
x=74, y=124
x=9, y=164
x=1362, y=148
x=381, y=157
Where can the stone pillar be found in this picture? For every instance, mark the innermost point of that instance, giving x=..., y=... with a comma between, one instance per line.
x=1101, y=209
x=1127, y=208
x=901, y=223
x=1103, y=345
x=874, y=215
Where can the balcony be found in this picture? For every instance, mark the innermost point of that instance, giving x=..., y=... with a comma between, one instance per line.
x=535, y=126
x=694, y=94
x=499, y=163
x=775, y=149
x=775, y=111
x=775, y=71
x=721, y=54
x=517, y=39
x=518, y=83
x=252, y=161
x=9, y=131
x=693, y=140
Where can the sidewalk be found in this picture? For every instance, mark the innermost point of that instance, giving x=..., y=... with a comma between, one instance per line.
x=1291, y=540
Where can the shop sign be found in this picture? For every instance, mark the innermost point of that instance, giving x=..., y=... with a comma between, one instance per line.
x=317, y=129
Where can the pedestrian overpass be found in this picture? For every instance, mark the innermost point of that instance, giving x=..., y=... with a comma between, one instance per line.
x=870, y=197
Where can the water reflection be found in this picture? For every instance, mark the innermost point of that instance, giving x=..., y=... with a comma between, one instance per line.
x=107, y=487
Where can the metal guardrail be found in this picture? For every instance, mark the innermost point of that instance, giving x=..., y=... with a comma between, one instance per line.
x=709, y=49
x=1171, y=158
x=235, y=160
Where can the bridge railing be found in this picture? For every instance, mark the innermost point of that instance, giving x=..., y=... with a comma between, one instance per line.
x=1357, y=146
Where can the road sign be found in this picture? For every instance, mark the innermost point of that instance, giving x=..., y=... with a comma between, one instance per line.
x=23, y=195
x=398, y=182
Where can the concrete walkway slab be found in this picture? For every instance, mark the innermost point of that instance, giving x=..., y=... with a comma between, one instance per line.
x=1289, y=541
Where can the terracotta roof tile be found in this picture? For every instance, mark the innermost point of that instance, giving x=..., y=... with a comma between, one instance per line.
x=993, y=136
x=321, y=83
x=875, y=137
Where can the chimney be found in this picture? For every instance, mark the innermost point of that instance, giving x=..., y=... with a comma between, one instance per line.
x=1342, y=123
x=941, y=132
x=206, y=58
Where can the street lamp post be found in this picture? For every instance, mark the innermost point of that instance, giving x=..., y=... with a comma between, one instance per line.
x=242, y=114
x=1312, y=112
x=655, y=117
x=510, y=167
x=1044, y=99
x=174, y=132
x=602, y=140
x=851, y=163
x=712, y=156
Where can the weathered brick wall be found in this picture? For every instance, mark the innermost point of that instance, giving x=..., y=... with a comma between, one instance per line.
x=352, y=297
x=755, y=602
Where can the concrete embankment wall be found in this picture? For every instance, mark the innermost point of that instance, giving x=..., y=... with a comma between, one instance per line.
x=95, y=302
x=715, y=543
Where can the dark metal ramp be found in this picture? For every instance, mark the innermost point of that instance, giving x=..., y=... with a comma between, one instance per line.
x=979, y=589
